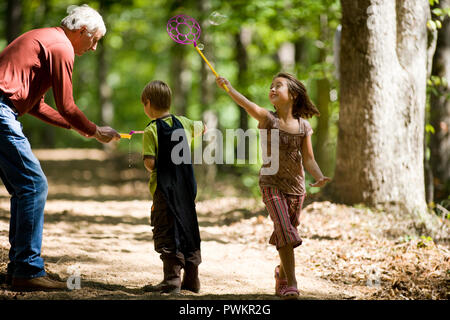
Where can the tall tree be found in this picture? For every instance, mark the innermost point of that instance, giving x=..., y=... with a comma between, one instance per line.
x=207, y=80
x=178, y=66
x=46, y=133
x=207, y=87
x=428, y=171
x=104, y=90
x=440, y=111
x=323, y=104
x=383, y=66
x=242, y=40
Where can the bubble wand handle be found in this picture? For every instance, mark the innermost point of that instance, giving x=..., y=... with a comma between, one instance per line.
x=212, y=69
x=125, y=136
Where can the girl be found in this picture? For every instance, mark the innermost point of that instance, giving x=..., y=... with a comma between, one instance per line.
x=283, y=192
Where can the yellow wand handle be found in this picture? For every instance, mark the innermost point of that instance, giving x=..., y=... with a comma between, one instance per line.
x=125, y=135
x=212, y=69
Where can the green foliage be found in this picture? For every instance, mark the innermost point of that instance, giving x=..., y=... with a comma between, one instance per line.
x=439, y=14
x=138, y=49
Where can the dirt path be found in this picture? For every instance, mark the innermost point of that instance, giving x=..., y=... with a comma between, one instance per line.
x=97, y=228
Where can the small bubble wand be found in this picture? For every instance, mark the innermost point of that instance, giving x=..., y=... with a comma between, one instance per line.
x=176, y=23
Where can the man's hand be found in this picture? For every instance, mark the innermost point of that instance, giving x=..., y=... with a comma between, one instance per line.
x=106, y=134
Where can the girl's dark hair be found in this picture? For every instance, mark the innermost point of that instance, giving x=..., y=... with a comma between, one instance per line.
x=159, y=95
x=302, y=106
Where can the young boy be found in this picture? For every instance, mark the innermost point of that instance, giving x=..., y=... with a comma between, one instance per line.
x=173, y=187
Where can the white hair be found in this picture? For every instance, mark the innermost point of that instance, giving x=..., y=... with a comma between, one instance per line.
x=84, y=16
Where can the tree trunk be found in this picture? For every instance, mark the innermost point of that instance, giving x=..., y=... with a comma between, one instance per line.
x=300, y=50
x=180, y=74
x=440, y=112
x=207, y=78
x=429, y=184
x=47, y=132
x=207, y=90
x=242, y=39
x=383, y=65
x=180, y=78
x=105, y=92
x=13, y=22
x=322, y=151
x=106, y=112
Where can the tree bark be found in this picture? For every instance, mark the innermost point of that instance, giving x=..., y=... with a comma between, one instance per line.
x=429, y=186
x=440, y=112
x=383, y=67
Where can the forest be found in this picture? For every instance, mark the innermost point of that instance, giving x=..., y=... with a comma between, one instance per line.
x=378, y=72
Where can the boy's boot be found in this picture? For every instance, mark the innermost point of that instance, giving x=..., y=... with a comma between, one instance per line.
x=172, y=276
x=191, y=281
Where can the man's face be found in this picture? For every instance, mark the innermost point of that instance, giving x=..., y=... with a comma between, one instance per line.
x=86, y=42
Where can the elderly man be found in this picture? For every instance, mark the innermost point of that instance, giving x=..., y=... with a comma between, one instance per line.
x=32, y=64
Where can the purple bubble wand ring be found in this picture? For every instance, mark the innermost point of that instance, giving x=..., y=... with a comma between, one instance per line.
x=185, y=30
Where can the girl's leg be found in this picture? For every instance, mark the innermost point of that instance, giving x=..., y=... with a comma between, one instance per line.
x=287, y=265
x=285, y=236
x=295, y=204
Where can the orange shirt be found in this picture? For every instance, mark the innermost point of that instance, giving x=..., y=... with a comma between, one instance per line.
x=33, y=63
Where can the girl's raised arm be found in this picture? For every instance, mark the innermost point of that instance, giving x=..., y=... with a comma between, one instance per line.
x=252, y=108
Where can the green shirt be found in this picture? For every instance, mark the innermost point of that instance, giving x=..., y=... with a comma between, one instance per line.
x=150, y=141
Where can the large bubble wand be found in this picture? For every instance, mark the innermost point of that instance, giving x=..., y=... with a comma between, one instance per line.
x=185, y=30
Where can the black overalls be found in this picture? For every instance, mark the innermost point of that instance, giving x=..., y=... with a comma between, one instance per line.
x=176, y=233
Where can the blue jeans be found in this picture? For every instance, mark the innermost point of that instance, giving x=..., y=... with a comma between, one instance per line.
x=25, y=181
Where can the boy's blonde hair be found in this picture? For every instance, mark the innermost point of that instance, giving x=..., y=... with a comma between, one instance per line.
x=159, y=94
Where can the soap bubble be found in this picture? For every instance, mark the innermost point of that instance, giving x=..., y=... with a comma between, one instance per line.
x=216, y=18
x=200, y=46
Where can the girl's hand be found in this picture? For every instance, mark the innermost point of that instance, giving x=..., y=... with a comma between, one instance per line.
x=221, y=81
x=320, y=183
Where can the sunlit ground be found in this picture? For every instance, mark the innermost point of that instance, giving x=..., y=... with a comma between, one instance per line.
x=97, y=228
